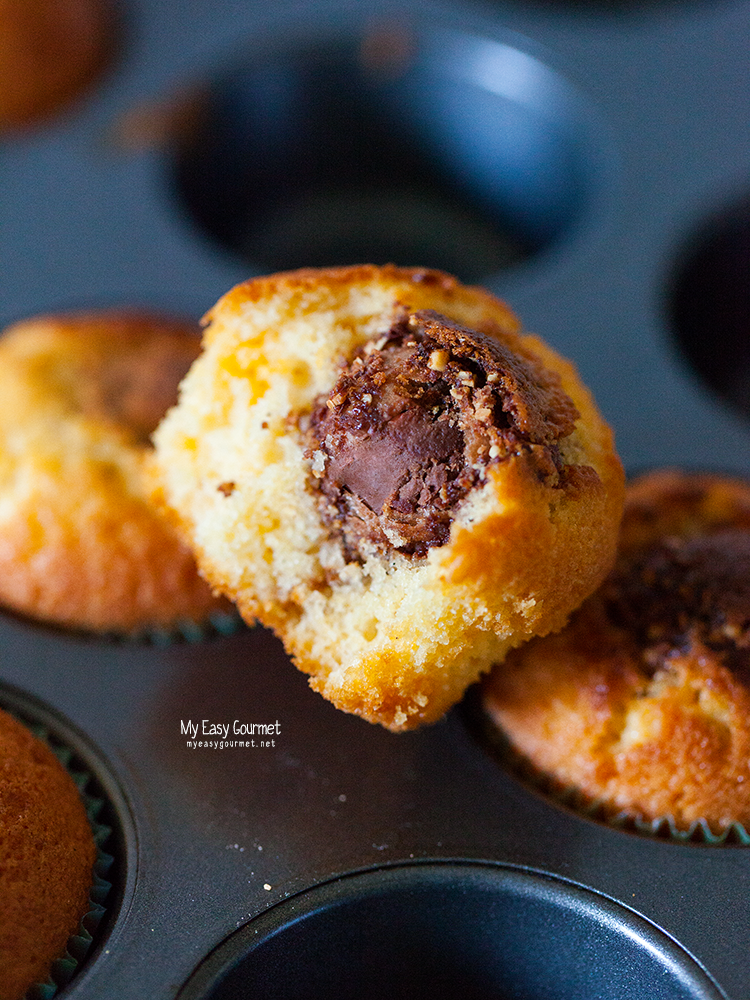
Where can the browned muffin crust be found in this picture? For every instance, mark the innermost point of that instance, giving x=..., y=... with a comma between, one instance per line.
x=81, y=544
x=47, y=854
x=643, y=701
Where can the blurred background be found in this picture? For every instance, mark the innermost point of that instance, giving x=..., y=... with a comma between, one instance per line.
x=588, y=162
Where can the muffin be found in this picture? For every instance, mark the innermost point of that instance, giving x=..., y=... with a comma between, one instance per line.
x=47, y=854
x=642, y=704
x=81, y=545
x=50, y=50
x=376, y=464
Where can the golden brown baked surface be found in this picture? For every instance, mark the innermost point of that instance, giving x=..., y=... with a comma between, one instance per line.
x=47, y=854
x=80, y=543
x=375, y=463
x=643, y=701
x=49, y=51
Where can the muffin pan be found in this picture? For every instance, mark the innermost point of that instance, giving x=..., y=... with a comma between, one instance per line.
x=590, y=164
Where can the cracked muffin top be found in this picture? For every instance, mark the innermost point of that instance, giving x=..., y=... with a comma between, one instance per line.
x=643, y=701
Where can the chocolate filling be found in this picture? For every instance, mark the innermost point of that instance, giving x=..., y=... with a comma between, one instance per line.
x=414, y=420
x=686, y=589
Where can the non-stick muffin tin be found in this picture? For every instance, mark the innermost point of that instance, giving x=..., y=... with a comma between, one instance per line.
x=591, y=164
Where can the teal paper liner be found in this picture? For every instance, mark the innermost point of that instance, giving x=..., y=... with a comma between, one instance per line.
x=218, y=623
x=64, y=968
x=222, y=621
x=663, y=828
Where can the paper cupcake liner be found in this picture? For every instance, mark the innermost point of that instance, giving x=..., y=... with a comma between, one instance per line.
x=79, y=945
x=663, y=828
x=633, y=821
x=218, y=623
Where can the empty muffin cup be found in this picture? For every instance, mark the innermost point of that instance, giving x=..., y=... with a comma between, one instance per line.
x=389, y=143
x=445, y=929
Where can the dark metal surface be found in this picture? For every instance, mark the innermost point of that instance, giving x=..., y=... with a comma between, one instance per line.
x=629, y=127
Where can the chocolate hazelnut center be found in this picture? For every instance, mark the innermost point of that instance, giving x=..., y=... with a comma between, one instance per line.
x=412, y=424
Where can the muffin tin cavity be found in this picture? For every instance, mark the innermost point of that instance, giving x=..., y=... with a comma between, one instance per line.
x=435, y=930
x=434, y=147
x=710, y=306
